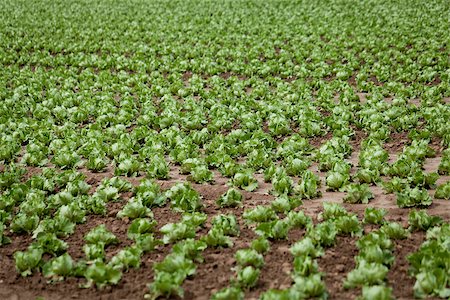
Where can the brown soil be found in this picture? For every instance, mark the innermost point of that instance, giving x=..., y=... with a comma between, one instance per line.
x=318, y=141
x=397, y=141
x=217, y=269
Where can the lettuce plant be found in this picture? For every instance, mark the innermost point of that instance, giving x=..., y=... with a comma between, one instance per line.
x=141, y=226
x=277, y=229
x=366, y=274
x=217, y=238
x=184, y=198
x=135, y=209
x=232, y=293
x=413, y=197
x=259, y=214
x=376, y=292
x=227, y=223
x=260, y=245
x=374, y=215
x=443, y=191
x=231, y=198
x=245, y=181
x=357, y=193
x=129, y=257
x=249, y=257
x=420, y=220
x=59, y=267
x=28, y=261
x=394, y=231
x=248, y=276
x=308, y=186
x=444, y=165
x=101, y=275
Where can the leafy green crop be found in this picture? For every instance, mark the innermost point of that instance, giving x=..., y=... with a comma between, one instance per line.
x=101, y=235
x=429, y=264
x=366, y=273
x=376, y=292
x=141, y=226
x=413, y=197
x=374, y=215
x=248, y=276
x=227, y=223
x=260, y=214
x=135, y=209
x=59, y=267
x=309, y=185
x=358, y=193
x=166, y=97
x=101, y=275
x=443, y=191
x=420, y=220
x=249, y=257
x=229, y=293
x=184, y=198
x=27, y=261
x=231, y=198
x=245, y=181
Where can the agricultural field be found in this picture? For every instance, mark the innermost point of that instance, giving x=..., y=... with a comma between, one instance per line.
x=224, y=149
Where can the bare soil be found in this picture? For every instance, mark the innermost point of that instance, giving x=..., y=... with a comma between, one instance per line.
x=217, y=269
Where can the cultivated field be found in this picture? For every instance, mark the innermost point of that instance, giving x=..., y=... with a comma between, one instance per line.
x=224, y=149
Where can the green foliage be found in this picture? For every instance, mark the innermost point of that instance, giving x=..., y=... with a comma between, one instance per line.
x=443, y=191
x=298, y=219
x=273, y=89
x=306, y=247
x=28, y=261
x=332, y=211
x=366, y=273
x=141, y=226
x=101, y=274
x=277, y=229
x=306, y=287
x=184, y=198
x=231, y=198
x=50, y=244
x=248, y=276
x=217, y=238
x=374, y=215
x=59, y=267
x=177, y=231
x=308, y=187
x=429, y=264
x=305, y=265
x=190, y=248
x=260, y=245
x=357, y=193
x=285, y=203
x=229, y=293
x=394, y=231
x=129, y=257
x=324, y=234
x=245, y=180
x=444, y=165
x=348, y=225
x=101, y=235
x=227, y=223
x=249, y=257
x=260, y=214
x=376, y=292
x=3, y=239
x=24, y=223
x=135, y=209
x=420, y=220
x=413, y=198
